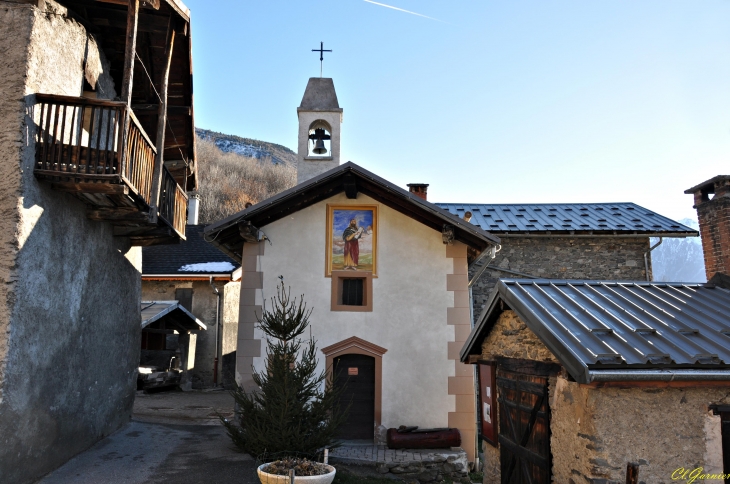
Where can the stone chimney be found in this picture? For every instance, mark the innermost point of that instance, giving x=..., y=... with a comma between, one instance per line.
x=712, y=202
x=419, y=189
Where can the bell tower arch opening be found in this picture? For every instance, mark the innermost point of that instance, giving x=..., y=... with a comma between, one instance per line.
x=320, y=140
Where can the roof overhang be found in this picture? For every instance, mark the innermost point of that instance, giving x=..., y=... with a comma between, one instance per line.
x=502, y=298
x=169, y=315
x=229, y=234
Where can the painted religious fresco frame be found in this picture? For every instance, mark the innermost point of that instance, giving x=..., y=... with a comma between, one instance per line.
x=352, y=238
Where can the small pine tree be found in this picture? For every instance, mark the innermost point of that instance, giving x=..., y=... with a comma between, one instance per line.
x=289, y=412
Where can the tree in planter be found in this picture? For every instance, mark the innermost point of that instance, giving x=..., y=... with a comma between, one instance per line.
x=289, y=412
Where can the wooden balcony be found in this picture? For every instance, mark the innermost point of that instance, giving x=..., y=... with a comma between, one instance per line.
x=81, y=148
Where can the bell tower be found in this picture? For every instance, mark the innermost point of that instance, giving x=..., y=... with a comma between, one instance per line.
x=320, y=116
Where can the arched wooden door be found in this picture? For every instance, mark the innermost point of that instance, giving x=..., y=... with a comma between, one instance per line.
x=357, y=374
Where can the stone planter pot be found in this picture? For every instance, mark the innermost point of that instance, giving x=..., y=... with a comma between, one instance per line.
x=267, y=478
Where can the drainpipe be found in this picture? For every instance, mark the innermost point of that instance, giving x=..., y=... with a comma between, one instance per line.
x=646, y=257
x=217, y=323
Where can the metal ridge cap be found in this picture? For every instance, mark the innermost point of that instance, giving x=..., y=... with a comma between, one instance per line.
x=601, y=234
x=659, y=375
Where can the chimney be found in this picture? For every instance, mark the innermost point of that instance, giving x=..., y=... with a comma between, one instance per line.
x=712, y=202
x=419, y=189
x=193, y=209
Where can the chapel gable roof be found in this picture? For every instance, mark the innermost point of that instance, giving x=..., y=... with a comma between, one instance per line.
x=229, y=234
x=570, y=218
x=619, y=330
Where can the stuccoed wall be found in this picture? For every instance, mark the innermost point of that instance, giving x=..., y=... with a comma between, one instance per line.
x=204, y=304
x=564, y=258
x=410, y=301
x=69, y=303
x=229, y=337
x=595, y=432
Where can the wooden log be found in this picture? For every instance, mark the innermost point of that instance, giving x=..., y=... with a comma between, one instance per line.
x=424, y=439
x=161, y=124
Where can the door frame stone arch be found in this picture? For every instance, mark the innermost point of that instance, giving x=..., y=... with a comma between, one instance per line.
x=357, y=346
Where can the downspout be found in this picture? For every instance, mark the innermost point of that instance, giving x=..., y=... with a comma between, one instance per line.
x=646, y=257
x=217, y=323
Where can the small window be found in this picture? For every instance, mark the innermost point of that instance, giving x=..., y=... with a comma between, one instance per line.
x=352, y=291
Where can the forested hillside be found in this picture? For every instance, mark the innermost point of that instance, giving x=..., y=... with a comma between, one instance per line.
x=251, y=148
x=227, y=181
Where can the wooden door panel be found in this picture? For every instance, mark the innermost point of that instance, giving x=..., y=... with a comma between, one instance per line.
x=524, y=433
x=359, y=393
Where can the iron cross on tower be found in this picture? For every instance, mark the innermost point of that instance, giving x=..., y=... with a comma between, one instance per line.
x=321, y=51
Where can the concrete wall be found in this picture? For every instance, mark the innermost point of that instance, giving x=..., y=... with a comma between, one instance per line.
x=204, y=306
x=420, y=303
x=564, y=258
x=69, y=303
x=596, y=431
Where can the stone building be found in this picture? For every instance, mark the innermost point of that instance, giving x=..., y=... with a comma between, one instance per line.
x=595, y=381
x=384, y=270
x=80, y=158
x=206, y=282
x=566, y=241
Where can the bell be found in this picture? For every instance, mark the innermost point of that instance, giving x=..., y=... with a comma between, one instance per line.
x=319, y=147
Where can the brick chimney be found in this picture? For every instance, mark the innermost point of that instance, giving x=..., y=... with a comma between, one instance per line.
x=712, y=201
x=419, y=189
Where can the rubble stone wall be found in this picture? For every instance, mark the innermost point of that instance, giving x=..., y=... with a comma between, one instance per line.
x=564, y=258
x=597, y=431
x=69, y=302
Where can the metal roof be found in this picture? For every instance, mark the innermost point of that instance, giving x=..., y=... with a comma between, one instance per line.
x=169, y=314
x=592, y=326
x=195, y=255
x=555, y=218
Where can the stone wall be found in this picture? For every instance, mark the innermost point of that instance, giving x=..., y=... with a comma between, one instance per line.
x=204, y=308
x=69, y=302
x=596, y=431
x=510, y=338
x=564, y=258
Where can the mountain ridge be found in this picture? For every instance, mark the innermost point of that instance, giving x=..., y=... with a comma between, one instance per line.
x=249, y=147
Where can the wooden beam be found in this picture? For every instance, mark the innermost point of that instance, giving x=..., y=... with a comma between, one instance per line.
x=120, y=214
x=148, y=109
x=350, y=185
x=130, y=50
x=161, y=124
x=154, y=4
x=143, y=231
x=148, y=241
x=105, y=188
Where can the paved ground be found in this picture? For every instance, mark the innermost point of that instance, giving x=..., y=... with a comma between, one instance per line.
x=174, y=438
x=366, y=453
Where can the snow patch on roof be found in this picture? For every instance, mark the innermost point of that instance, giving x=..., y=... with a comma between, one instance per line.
x=212, y=267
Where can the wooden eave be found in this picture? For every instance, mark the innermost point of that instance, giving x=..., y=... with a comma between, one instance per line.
x=227, y=236
x=107, y=20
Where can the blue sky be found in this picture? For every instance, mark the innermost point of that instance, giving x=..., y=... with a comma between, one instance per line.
x=494, y=102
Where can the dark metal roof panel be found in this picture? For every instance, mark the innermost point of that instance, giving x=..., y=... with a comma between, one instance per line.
x=194, y=254
x=593, y=325
x=625, y=218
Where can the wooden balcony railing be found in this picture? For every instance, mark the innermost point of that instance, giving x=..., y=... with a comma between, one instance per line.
x=79, y=143
x=82, y=138
x=173, y=203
